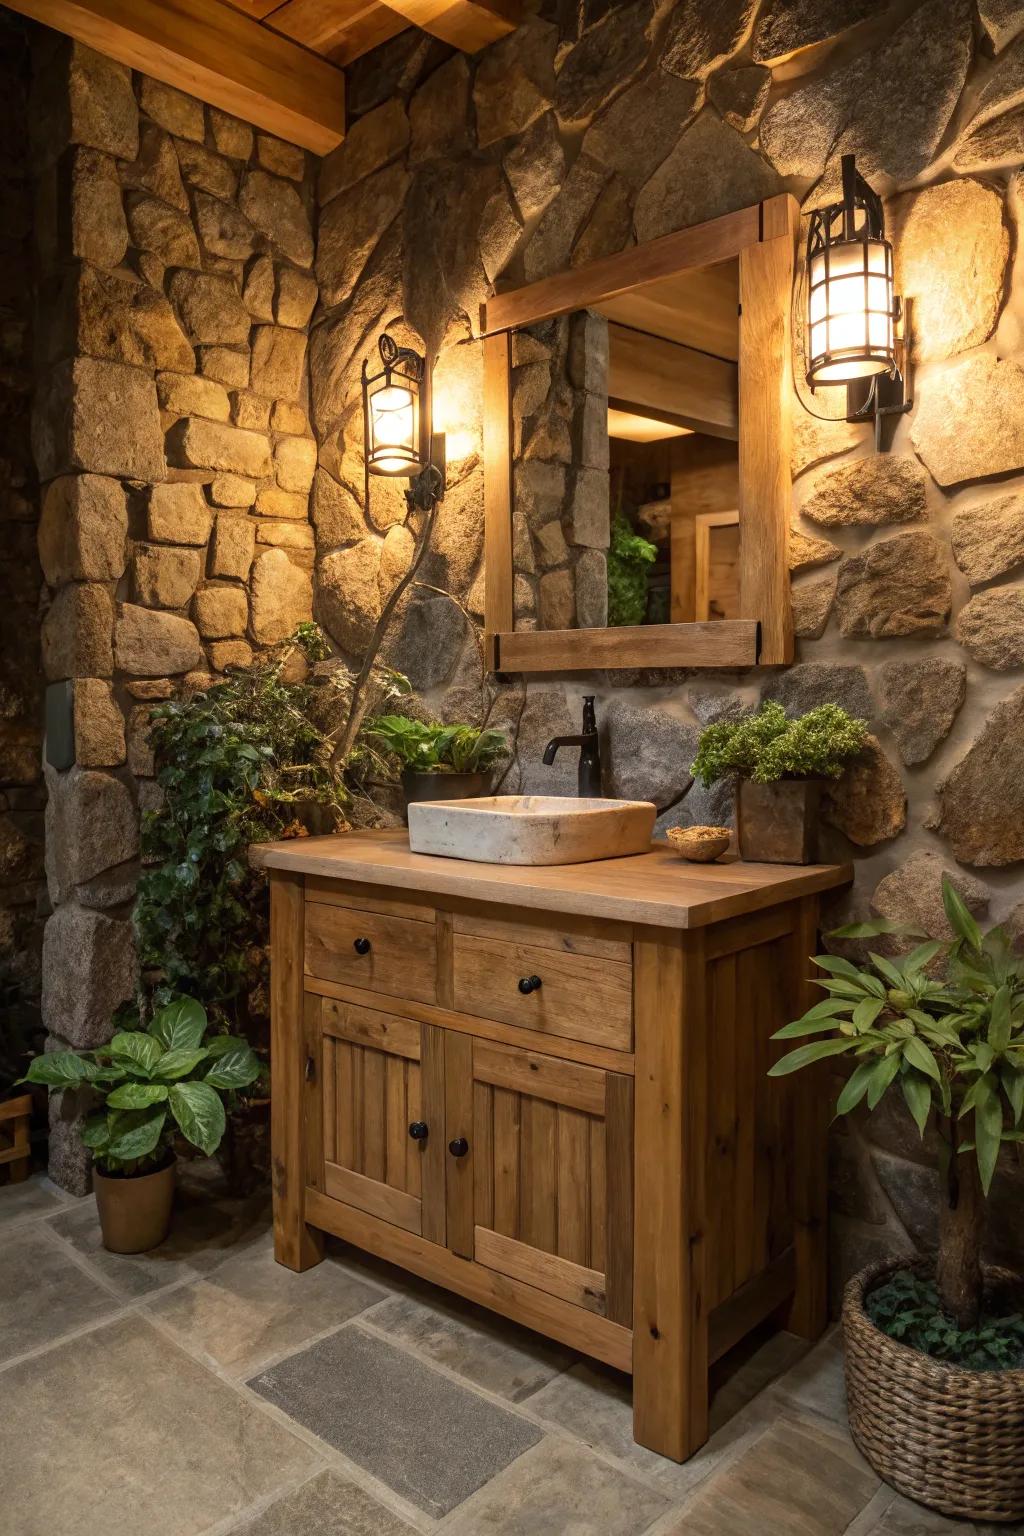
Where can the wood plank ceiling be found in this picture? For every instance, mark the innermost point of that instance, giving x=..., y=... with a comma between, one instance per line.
x=342, y=30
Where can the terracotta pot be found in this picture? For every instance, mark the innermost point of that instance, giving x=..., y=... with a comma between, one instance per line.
x=135, y=1212
x=443, y=786
x=778, y=823
x=942, y=1434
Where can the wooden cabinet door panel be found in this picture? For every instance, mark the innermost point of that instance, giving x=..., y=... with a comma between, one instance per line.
x=381, y=1074
x=393, y=955
x=580, y=996
x=552, y=1177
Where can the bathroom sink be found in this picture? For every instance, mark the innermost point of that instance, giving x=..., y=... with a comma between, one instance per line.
x=531, y=829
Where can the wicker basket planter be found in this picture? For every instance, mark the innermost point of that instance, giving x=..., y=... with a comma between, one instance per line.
x=946, y=1436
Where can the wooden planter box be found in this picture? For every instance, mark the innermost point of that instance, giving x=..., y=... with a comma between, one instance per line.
x=15, y=1116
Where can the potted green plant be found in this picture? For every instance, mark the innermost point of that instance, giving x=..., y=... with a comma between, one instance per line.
x=436, y=762
x=151, y=1084
x=781, y=764
x=935, y=1350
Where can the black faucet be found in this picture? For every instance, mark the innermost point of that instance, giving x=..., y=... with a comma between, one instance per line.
x=590, y=751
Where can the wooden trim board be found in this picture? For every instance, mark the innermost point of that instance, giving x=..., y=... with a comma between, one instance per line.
x=722, y=643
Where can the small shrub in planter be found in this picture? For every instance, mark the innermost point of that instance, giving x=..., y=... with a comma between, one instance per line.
x=781, y=764
x=935, y=1353
x=436, y=762
x=171, y=1078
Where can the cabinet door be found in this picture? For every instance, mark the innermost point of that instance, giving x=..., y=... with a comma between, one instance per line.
x=552, y=1175
x=383, y=1116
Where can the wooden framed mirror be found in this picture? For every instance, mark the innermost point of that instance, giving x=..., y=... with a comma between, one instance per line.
x=694, y=340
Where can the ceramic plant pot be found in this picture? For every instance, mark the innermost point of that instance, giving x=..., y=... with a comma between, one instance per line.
x=443, y=786
x=778, y=823
x=135, y=1212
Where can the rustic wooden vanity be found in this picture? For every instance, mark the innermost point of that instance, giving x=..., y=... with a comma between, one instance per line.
x=545, y=1089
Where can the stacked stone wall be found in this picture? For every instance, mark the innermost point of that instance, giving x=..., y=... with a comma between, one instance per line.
x=593, y=127
x=174, y=247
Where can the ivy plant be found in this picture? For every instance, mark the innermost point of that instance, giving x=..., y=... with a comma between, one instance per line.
x=629, y=560
x=768, y=746
x=173, y=1076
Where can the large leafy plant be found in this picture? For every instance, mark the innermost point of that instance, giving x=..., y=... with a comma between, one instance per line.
x=768, y=746
x=630, y=557
x=944, y=1027
x=429, y=747
x=173, y=1076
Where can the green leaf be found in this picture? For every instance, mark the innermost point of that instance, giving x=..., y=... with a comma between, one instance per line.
x=136, y=1096
x=921, y=1056
x=136, y=1047
x=1013, y=1086
x=219, y=1045
x=135, y=1133
x=837, y=966
x=922, y=956
x=855, y=1087
x=893, y=975
x=200, y=1115
x=1001, y=1019
x=960, y=919
x=988, y=1131
x=235, y=1069
x=804, y=1055
x=882, y=1076
x=178, y=1063
x=865, y=1013
x=808, y=1026
x=95, y=1133
x=875, y=927
x=180, y=1025
x=919, y=1099
x=60, y=1069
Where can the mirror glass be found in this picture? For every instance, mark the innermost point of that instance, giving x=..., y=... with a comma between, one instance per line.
x=625, y=472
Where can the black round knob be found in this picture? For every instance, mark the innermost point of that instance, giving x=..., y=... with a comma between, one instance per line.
x=362, y=946
x=419, y=1130
x=528, y=984
x=459, y=1147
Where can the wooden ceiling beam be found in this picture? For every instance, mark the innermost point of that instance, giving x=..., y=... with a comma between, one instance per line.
x=215, y=52
x=466, y=24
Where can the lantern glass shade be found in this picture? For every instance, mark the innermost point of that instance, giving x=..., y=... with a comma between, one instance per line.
x=850, y=311
x=391, y=413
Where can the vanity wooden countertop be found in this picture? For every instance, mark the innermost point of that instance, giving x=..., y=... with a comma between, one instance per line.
x=657, y=888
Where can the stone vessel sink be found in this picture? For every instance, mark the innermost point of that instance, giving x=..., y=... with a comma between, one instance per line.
x=531, y=829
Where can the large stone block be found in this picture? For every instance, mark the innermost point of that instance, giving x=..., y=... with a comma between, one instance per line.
x=869, y=803
x=203, y=444
x=993, y=146
x=98, y=230
x=351, y=227
x=281, y=597
x=535, y=166
x=76, y=633
x=802, y=688
x=164, y=576
x=981, y=801
x=812, y=606
x=149, y=643
x=230, y=135
x=179, y=114
x=156, y=168
x=741, y=95
x=787, y=27
x=711, y=171
x=348, y=596
x=178, y=514
x=99, y=725
x=206, y=171
x=951, y=248
x=222, y=229
x=438, y=113
x=209, y=307
x=280, y=157
x=991, y=628
x=815, y=440
x=188, y=394
x=591, y=576
x=370, y=143
x=234, y=540
x=515, y=81
x=126, y=321
x=427, y=639
x=805, y=552
x=83, y=526
x=272, y=501
x=649, y=753
x=89, y=969
x=84, y=97
x=988, y=541
x=91, y=825
x=549, y=248
x=912, y=894
x=250, y=411
x=278, y=360
x=642, y=125
x=900, y=586
x=295, y=461
x=297, y=294
x=278, y=212
x=970, y=420
x=221, y=613
x=98, y=416
x=606, y=57
x=337, y=516
x=920, y=700
x=166, y=232
x=701, y=38
x=883, y=488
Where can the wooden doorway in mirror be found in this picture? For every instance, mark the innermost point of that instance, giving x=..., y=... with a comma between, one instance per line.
x=674, y=447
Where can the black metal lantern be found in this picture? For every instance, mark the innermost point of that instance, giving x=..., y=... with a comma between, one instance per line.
x=391, y=411
x=852, y=310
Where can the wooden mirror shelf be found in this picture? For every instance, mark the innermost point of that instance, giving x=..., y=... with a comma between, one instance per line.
x=762, y=242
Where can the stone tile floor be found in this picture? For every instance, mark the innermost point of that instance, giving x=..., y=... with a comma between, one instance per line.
x=204, y=1389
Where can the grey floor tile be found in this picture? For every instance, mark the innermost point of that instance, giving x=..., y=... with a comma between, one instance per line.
x=497, y=1355
x=328, y=1505
x=817, y=1383
x=43, y=1293
x=33, y=1197
x=206, y=1229
x=558, y=1489
x=748, y=1369
x=119, y=1431
x=252, y=1308
x=429, y=1439
x=796, y=1479
x=902, y=1517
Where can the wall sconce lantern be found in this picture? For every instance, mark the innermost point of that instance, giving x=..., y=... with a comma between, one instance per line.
x=852, y=311
x=396, y=423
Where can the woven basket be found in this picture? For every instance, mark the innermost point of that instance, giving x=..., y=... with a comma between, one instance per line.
x=949, y=1437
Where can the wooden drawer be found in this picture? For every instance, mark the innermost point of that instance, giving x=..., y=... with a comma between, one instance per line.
x=396, y=956
x=585, y=992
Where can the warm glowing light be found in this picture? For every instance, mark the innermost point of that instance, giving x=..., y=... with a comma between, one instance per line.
x=850, y=311
x=640, y=429
x=392, y=426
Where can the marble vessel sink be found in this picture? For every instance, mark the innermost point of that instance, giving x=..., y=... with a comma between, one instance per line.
x=531, y=829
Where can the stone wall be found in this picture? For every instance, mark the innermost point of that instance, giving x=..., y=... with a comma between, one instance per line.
x=592, y=127
x=22, y=793
x=174, y=253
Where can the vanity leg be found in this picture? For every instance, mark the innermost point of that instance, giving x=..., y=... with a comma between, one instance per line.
x=670, y=1334
x=808, y=1311
x=296, y=1245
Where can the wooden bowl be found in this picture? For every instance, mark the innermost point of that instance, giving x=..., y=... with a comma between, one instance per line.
x=699, y=844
